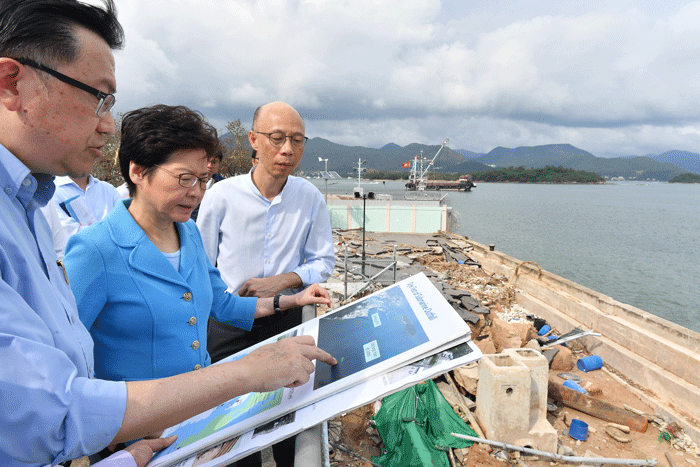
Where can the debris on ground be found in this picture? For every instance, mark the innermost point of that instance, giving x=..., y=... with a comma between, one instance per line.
x=487, y=302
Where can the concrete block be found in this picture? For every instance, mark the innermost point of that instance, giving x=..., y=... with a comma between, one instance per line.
x=511, y=400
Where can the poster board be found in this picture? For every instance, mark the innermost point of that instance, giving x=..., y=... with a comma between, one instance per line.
x=384, y=331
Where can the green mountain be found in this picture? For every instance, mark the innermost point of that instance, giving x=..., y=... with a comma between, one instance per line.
x=570, y=157
x=343, y=159
x=687, y=160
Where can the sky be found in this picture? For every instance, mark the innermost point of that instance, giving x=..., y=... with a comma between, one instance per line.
x=614, y=78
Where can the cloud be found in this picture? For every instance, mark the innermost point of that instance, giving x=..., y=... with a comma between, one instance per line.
x=392, y=69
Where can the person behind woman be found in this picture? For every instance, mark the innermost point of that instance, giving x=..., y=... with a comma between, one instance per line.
x=143, y=284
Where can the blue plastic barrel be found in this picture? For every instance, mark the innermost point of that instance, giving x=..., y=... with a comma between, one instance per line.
x=573, y=385
x=590, y=363
x=544, y=330
x=578, y=429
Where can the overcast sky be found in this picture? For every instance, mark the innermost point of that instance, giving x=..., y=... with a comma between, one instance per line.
x=610, y=77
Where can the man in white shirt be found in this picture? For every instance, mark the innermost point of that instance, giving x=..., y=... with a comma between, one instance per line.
x=268, y=232
x=74, y=194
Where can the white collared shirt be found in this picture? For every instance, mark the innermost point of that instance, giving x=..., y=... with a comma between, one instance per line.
x=99, y=197
x=248, y=236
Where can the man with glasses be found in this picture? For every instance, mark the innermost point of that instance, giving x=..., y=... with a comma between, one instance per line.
x=56, y=79
x=267, y=231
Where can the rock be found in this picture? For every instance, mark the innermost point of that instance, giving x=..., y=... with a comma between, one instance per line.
x=617, y=434
x=526, y=332
x=592, y=388
x=469, y=302
x=549, y=354
x=623, y=428
x=467, y=378
x=562, y=361
x=565, y=451
x=466, y=315
x=486, y=345
x=506, y=335
x=534, y=345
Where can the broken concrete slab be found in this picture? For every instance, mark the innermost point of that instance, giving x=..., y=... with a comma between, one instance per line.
x=467, y=316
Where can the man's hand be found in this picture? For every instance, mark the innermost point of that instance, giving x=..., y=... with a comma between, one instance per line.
x=314, y=294
x=143, y=450
x=269, y=286
x=285, y=363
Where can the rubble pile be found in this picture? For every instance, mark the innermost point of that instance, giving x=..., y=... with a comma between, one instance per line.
x=487, y=303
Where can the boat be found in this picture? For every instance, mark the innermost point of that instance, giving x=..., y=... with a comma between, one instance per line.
x=418, y=177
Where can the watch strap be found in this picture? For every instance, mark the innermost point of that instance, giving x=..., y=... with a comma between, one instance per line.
x=276, y=304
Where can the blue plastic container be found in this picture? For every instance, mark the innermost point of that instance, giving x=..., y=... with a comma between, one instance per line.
x=575, y=386
x=578, y=429
x=590, y=363
x=544, y=330
x=552, y=337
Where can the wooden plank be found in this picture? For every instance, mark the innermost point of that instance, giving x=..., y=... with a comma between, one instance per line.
x=595, y=407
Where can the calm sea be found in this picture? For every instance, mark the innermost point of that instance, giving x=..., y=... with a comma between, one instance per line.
x=636, y=242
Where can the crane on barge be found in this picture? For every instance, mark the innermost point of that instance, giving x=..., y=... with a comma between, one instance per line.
x=418, y=177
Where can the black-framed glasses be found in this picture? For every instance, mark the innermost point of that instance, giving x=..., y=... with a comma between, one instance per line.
x=277, y=139
x=188, y=180
x=106, y=101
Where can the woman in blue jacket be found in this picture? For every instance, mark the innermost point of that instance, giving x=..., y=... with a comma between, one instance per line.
x=143, y=284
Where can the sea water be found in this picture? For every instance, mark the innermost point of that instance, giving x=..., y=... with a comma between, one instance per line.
x=638, y=242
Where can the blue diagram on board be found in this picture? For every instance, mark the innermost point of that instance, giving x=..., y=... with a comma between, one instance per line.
x=226, y=414
x=371, y=331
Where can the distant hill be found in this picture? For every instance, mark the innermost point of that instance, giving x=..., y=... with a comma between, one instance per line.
x=689, y=161
x=686, y=178
x=535, y=156
x=469, y=154
x=343, y=159
x=470, y=166
x=568, y=156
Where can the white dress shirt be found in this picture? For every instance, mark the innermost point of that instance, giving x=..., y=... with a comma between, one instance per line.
x=248, y=236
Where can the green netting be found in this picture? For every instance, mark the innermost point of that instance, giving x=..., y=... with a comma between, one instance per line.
x=415, y=425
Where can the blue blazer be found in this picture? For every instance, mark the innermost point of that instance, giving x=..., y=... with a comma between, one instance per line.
x=147, y=319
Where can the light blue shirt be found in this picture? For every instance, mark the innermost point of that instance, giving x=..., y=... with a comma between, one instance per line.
x=51, y=407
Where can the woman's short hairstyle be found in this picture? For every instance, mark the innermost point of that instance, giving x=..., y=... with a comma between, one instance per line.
x=149, y=136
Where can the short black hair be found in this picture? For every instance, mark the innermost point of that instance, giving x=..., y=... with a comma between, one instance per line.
x=150, y=135
x=44, y=30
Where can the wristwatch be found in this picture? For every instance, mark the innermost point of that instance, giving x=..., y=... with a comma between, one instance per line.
x=276, y=304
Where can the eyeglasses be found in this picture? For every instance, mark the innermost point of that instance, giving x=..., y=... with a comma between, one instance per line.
x=106, y=101
x=188, y=180
x=278, y=138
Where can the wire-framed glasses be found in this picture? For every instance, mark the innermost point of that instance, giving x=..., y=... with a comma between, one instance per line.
x=106, y=101
x=188, y=180
x=277, y=139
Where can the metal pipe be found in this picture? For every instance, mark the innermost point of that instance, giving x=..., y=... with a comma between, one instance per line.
x=308, y=444
x=395, y=263
x=345, y=295
x=551, y=455
x=364, y=218
x=369, y=281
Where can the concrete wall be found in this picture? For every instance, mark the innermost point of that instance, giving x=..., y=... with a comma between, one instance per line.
x=658, y=356
x=389, y=216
